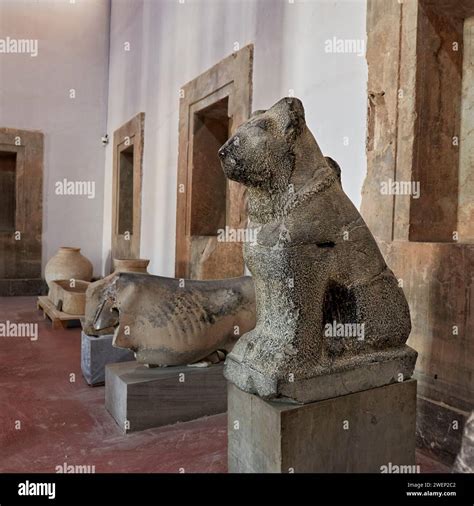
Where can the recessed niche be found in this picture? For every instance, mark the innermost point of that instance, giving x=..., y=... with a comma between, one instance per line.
x=128, y=146
x=209, y=184
x=7, y=190
x=212, y=107
x=420, y=120
x=125, y=198
x=433, y=216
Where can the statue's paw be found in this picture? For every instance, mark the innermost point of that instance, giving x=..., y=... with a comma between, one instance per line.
x=275, y=359
x=245, y=345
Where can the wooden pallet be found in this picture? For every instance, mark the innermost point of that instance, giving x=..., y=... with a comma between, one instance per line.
x=58, y=319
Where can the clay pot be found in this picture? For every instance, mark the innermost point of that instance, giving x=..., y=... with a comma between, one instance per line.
x=68, y=263
x=130, y=265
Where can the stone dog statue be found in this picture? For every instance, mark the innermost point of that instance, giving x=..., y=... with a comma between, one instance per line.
x=167, y=321
x=331, y=318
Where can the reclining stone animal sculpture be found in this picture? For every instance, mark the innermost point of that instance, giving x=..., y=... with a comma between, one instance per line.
x=331, y=318
x=168, y=321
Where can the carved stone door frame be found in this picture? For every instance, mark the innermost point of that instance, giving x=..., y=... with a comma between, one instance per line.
x=129, y=138
x=21, y=244
x=231, y=78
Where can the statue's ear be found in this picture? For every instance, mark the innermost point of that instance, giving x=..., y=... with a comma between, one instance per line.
x=295, y=121
x=257, y=112
x=334, y=166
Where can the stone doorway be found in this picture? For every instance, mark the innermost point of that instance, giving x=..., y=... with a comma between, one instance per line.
x=212, y=106
x=21, y=211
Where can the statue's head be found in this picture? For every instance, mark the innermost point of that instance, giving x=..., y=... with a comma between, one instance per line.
x=261, y=153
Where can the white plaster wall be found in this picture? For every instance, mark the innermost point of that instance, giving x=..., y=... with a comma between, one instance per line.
x=34, y=95
x=171, y=43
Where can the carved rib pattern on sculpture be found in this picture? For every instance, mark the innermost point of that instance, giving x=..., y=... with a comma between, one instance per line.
x=168, y=322
x=314, y=263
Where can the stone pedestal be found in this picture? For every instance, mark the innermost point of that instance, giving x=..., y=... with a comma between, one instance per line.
x=359, y=432
x=140, y=398
x=96, y=353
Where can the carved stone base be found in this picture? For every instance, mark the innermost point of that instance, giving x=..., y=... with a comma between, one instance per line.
x=355, y=374
x=360, y=432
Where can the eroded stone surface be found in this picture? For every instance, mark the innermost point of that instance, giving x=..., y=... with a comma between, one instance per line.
x=315, y=264
x=168, y=321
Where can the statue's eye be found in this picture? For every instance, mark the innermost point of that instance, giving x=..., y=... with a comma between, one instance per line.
x=261, y=124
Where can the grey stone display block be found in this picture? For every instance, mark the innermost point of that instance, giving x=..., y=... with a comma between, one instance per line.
x=96, y=353
x=358, y=433
x=139, y=397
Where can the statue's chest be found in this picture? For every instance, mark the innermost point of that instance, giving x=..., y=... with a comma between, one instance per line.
x=275, y=264
x=287, y=264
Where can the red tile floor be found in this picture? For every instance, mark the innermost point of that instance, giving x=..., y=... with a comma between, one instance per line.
x=65, y=422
